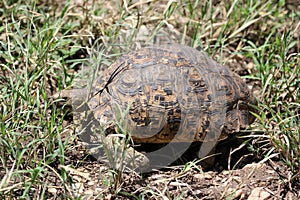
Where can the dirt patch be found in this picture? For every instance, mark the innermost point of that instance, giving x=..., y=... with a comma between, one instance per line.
x=91, y=179
x=269, y=180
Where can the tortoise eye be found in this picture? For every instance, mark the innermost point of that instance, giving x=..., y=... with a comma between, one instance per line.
x=196, y=84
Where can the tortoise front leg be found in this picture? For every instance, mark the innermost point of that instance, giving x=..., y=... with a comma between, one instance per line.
x=122, y=156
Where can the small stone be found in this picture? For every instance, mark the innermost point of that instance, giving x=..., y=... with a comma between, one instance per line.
x=250, y=65
x=235, y=193
x=108, y=197
x=90, y=183
x=178, y=184
x=253, y=166
x=79, y=187
x=259, y=194
x=238, y=194
x=89, y=192
x=226, y=172
x=204, y=176
x=52, y=190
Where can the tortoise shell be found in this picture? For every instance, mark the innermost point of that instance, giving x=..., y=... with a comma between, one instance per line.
x=172, y=93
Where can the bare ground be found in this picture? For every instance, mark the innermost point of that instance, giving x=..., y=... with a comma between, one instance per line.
x=256, y=180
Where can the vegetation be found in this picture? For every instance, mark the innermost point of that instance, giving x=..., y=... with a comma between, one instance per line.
x=44, y=45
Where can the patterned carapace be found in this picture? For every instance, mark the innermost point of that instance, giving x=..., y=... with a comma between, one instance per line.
x=174, y=94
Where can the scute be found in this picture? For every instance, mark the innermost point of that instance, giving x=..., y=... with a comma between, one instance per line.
x=175, y=94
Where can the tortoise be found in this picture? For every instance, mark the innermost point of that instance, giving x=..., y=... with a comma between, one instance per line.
x=172, y=93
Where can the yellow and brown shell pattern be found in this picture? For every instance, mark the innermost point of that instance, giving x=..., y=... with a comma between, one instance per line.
x=174, y=94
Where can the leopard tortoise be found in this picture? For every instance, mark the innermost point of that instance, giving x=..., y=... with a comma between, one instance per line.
x=173, y=93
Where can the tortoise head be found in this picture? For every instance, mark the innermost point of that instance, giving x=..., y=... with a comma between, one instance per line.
x=239, y=114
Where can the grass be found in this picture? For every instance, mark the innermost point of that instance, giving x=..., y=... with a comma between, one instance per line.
x=42, y=46
x=280, y=103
